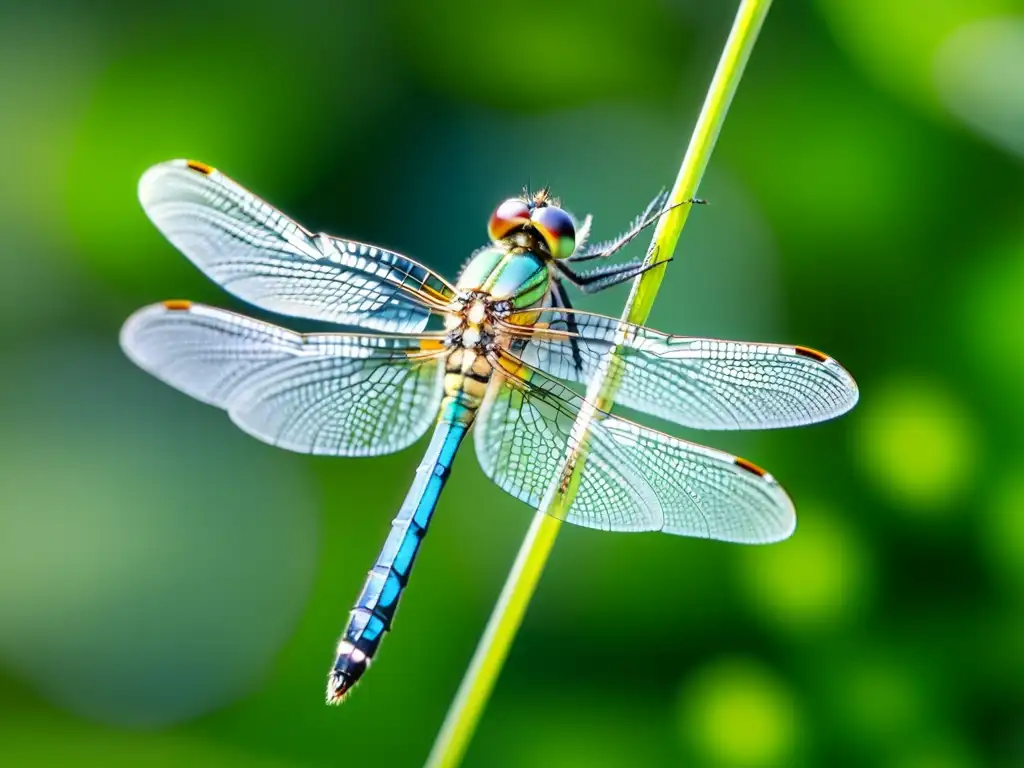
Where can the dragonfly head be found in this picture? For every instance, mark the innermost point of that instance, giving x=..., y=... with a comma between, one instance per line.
x=539, y=216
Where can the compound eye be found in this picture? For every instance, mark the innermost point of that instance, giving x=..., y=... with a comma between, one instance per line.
x=557, y=229
x=511, y=215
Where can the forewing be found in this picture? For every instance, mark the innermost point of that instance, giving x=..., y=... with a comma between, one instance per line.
x=329, y=393
x=268, y=260
x=633, y=478
x=695, y=382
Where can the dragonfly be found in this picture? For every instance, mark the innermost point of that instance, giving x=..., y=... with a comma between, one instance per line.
x=503, y=358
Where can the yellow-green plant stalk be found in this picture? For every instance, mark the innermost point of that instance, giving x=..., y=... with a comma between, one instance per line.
x=483, y=671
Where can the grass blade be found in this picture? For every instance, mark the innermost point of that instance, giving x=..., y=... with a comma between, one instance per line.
x=496, y=641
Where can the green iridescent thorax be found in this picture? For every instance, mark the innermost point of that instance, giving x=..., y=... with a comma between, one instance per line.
x=518, y=276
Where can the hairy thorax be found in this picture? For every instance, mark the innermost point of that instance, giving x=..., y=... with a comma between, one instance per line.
x=501, y=285
x=472, y=340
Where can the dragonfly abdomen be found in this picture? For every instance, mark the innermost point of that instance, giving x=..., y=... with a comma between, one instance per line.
x=375, y=609
x=466, y=374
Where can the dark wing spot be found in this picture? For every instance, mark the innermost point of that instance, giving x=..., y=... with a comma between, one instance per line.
x=177, y=305
x=814, y=354
x=749, y=466
x=202, y=168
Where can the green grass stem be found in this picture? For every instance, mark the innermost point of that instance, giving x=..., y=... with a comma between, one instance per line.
x=504, y=622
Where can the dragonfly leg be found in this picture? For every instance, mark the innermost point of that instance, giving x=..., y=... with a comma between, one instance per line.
x=654, y=211
x=560, y=300
x=605, y=277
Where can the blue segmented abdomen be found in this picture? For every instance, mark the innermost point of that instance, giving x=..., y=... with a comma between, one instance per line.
x=375, y=609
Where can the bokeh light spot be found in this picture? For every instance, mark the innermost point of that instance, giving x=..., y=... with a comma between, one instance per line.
x=868, y=29
x=737, y=713
x=817, y=579
x=917, y=444
x=979, y=73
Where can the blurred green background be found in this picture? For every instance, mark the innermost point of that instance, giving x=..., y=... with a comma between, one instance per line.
x=171, y=590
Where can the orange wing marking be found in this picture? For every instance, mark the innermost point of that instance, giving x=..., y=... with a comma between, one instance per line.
x=431, y=345
x=749, y=466
x=202, y=168
x=428, y=348
x=814, y=354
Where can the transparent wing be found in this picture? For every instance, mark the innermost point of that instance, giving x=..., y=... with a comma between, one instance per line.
x=327, y=393
x=633, y=478
x=695, y=382
x=521, y=435
x=266, y=259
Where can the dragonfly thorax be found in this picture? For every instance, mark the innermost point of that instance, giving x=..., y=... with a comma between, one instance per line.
x=470, y=323
x=476, y=312
x=505, y=273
